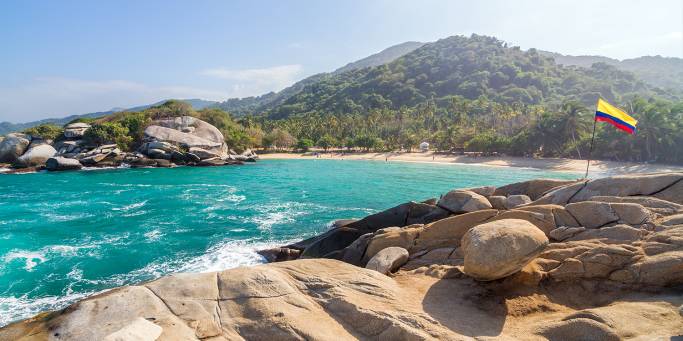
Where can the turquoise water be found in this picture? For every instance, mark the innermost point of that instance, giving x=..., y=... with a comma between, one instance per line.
x=67, y=235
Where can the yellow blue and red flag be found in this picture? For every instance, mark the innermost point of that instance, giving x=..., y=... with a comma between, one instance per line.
x=615, y=116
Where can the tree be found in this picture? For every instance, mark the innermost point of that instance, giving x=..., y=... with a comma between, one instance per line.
x=279, y=139
x=326, y=142
x=108, y=132
x=304, y=144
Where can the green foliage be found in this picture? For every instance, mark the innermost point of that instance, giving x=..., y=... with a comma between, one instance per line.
x=279, y=139
x=109, y=132
x=87, y=120
x=326, y=142
x=304, y=144
x=45, y=131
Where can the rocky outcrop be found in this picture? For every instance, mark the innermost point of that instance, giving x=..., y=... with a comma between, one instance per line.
x=605, y=267
x=500, y=248
x=13, y=146
x=532, y=188
x=188, y=133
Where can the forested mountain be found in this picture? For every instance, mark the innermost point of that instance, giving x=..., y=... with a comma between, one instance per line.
x=664, y=72
x=256, y=104
x=460, y=66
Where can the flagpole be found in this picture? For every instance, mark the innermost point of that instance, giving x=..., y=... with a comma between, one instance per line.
x=590, y=151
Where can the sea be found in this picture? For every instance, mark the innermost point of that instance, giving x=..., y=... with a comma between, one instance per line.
x=67, y=235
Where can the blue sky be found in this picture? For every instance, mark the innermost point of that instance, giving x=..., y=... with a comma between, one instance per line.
x=68, y=57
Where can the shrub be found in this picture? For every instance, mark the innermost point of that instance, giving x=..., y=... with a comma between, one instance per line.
x=45, y=131
x=109, y=132
x=304, y=144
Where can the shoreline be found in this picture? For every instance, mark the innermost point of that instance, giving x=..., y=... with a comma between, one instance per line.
x=598, y=167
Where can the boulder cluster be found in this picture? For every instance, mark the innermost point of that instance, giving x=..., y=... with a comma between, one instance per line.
x=538, y=260
x=167, y=142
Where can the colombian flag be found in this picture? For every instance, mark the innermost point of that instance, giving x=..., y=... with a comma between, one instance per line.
x=615, y=116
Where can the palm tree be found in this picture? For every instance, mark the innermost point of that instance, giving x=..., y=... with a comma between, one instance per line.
x=573, y=119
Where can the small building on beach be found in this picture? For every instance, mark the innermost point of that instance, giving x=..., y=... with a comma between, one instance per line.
x=424, y=146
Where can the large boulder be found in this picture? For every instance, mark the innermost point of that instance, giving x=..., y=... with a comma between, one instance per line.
x=501, y=248
x=36, y=156
x=75, y=130
x=13, y=146
x=516, y=201
x=59, y=163
x=388, y=260
x=188, y=132
x=592, y=214
x=463, y=201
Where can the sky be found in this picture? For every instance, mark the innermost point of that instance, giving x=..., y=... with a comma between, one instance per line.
x=59, y=58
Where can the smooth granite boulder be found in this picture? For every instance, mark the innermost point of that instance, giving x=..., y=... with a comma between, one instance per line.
x=501, y=248
x=75, y=130
x=13, y=146
x=388, y=260
x=462, y=201
x=36, y=156
x=59, y=163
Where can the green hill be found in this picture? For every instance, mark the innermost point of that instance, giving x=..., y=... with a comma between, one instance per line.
x=467, y=67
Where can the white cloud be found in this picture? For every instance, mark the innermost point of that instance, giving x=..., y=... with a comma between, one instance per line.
x=55, y=97
x=266, y=79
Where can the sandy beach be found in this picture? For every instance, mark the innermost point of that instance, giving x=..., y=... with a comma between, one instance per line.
x=597, y=168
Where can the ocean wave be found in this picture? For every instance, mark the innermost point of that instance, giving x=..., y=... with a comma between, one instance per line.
x=230, y=254
x=55, y=217
x=153, y=235
x=15, y=308
x=131, y=206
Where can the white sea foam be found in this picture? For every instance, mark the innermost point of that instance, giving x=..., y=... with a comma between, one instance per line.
x=31, y=258
x=131, y=206
x=153, y=235
x=15, y=308
x=228, y=255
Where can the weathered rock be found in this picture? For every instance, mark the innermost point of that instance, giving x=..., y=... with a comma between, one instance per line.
x=498, y=202
x=353, y=254
x=332, y=241
x=632, y=214
x=188, y=132
x=661, y=185
x=203, y=153
x=279, y=254
x=562, y=233
x=401, y=215
x=579, y=329
x=342, y=222
x=138, y=330
x=498, y=249
x=13, y=146
x=388, y=260
x=449, y=231
x=592, y=214
x=672, y=220
x=36, y=156
x=192, y=157
x=460, y=201
x=158, y=154
x=160, y=145
x=653, y=204
x=75, y=130
x=486, y=191
x=532, y=188
x=59, y=163
x=516, y=200
x=617, y=233
x=212, y=162
x=403, y=237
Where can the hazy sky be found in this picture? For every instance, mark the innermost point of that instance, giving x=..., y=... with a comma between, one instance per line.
x=70, y=57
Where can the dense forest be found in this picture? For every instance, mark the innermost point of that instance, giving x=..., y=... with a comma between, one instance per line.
x=473, y=94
